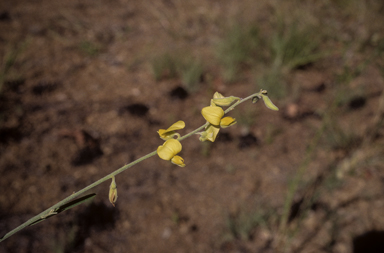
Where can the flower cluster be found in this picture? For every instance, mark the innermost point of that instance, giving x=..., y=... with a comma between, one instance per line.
x=215, y=120
x=171, y=147
x=214, y=116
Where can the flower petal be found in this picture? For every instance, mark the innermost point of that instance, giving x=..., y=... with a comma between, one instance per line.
x=227, y=121
x=212, y=132
x=162, y=133
x=169, y=149
x=169, y=133
x=178, y=160
x=165, y=152
x=212, y=114
x=176, y=126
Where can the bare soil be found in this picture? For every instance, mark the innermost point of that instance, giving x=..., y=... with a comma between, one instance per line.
x=80, y=100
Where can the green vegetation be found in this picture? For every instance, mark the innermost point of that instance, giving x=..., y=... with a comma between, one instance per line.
x=8, y=62
x=238, y=48
x=191, y=74
x=89, y=48
x=165, y=66
x=292, y=46
x=174, y=65
x=242, y=225
x=271, y=56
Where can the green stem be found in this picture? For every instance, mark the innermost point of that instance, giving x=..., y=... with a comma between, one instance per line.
x=193, y=132
x=258, y=95
x=74, y=195
x=52, y=209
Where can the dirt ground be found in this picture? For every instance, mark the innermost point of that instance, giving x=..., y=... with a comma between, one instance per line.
x=79, y=98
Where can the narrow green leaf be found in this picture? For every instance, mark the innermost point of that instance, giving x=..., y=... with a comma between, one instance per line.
x=268, y=103
x=75, y=202
x=64, y=207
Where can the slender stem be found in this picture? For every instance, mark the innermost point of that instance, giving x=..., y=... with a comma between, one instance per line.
x=109, y=176
x=243, y=100
x=74, y=195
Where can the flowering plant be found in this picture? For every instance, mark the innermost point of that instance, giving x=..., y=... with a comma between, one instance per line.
x=169, y=150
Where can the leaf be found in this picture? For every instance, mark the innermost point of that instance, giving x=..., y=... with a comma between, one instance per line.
x=268, y=103
x=75, y=202
x=64, y=207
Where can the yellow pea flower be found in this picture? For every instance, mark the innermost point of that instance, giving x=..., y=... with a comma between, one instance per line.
x=227, y=121
x=169, y=150
x=169, y=133
x=178, y=160
x=212, y=114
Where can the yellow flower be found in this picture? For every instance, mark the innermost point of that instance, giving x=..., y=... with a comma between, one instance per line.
x=214, y=115
x=227, y=121
x=178, y=160
x=169, y=133
x=113, y=192
x=169, y=150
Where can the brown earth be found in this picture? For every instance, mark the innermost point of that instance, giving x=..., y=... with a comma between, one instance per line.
x=79, y=100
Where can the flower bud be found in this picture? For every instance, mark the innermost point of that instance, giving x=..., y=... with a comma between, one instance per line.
x=268, y=103
x=113, y=192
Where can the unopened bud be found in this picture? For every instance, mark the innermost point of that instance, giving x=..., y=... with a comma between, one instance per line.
x=113, y=192
x=268, y=103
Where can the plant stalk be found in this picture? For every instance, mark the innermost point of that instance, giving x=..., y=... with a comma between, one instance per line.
x=51, y=210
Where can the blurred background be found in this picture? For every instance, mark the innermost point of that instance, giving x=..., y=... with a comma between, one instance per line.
x=85, y=86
